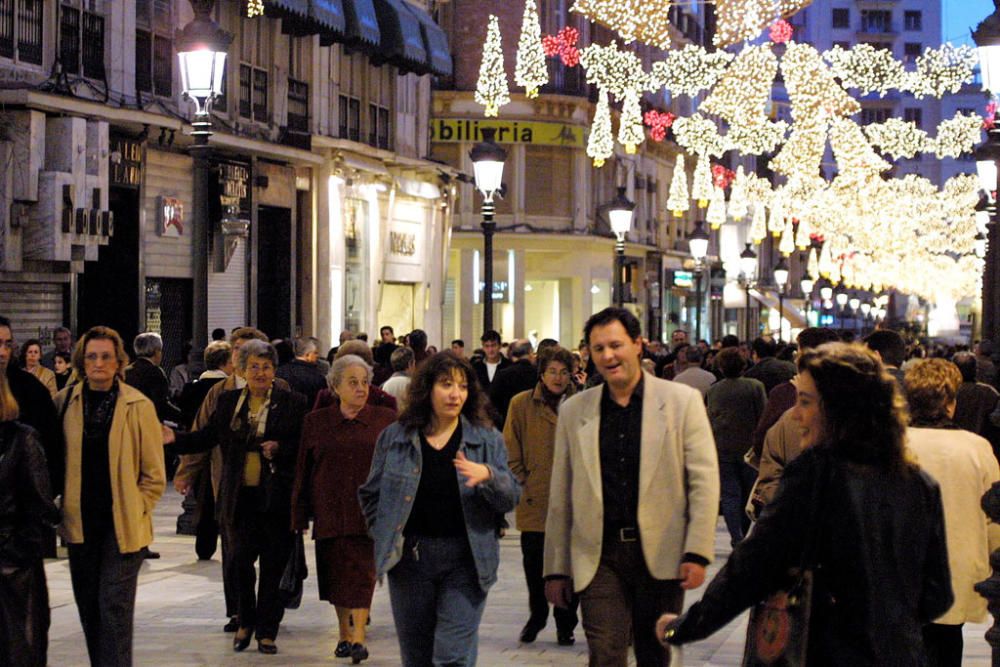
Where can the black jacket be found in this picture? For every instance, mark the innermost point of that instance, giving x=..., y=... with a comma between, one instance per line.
x=302, y=377
x=39, y=412
x=284, y=424
x=150, y=379
x=519, y=376
x=883, y=562
x=483, y=375
x=771, y=372
x=26, y=506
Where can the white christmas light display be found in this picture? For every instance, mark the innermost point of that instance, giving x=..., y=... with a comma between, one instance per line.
x=869, y=69
x=255, y=8
x=738, y=195
x=716, y=214
x=699, y=135
x=802, y=240
x=776, y=217
x=530, y=70
x=942, y=70
x=600, y=144
x=630, y=128
x=491, y=88
x=612, y=69
x=744, y=90
x=957, y=135
x=738, y=20
x=897, y=137
x=786, y=246
x=690, y=70
x=701, y=189
x=814, y=94
x=677, y=198
x=758, y=224
x=646, y=21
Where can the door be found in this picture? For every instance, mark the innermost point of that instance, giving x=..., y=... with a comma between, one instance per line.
x=274, y=271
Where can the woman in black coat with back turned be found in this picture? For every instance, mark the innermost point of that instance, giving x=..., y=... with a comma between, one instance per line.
x=882, y=562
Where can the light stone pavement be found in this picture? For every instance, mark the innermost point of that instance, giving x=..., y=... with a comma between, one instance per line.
x=180, y=613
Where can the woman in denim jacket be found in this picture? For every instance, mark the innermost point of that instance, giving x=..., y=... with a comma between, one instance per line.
x=438, y=483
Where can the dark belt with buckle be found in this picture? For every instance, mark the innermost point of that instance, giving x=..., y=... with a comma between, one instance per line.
x=622, y=534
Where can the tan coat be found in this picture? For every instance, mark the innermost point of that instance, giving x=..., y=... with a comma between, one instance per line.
x=135, y=452
x=781, y=445
x=678, y=483
x=964, y=466
x=46, y=377
x=530, y=435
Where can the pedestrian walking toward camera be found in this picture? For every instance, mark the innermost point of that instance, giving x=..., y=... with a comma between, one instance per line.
x=437, y=483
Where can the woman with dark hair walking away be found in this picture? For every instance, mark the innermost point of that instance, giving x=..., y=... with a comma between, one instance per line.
x=437, y=483
x=867, y=523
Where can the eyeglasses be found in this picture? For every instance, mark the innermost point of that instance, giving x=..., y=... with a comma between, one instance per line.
x=260, y=368
x=94, y=356
x=553, y=373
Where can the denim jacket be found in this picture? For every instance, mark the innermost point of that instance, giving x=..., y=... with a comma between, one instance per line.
x=387, y=496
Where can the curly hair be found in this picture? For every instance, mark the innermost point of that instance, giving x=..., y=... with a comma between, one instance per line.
x=21, y=361
x=864, y=414
x=419, y=411
x=931, y=386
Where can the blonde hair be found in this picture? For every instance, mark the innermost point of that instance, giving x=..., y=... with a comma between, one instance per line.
x=9, y=409
x=99, y=333
x=931, y=386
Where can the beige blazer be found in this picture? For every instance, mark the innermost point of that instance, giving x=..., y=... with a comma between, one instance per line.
x=678, y=483
x=964, y=466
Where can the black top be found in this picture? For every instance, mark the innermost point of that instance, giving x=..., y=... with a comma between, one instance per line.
x=437, y=509
x=95, y=467
x=620, y=445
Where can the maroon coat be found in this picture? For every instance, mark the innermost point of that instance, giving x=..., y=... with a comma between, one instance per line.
x=376, y=397
x=334, y=459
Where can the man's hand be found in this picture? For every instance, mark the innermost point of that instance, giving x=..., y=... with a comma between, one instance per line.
x=269, y=448
x=661, y=627
x=559, y=592
x=169, y=437
x=182, y=486
x=474, y=473
x=692, y=576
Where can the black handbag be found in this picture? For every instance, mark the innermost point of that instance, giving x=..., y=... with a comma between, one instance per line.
x=290, y=586
x=778, y=629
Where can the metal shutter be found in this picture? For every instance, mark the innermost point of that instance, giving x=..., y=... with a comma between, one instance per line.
x=34, y=309
x=227, y=293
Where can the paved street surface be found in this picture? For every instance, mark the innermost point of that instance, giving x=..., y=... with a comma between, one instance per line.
x=180, y=613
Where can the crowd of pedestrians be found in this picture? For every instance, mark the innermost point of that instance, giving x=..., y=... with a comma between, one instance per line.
x=616, y=456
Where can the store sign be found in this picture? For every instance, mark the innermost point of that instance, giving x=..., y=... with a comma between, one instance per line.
x=401, y=243
x=233, y=179
x=171, y=221
x=126, y=162
x=501, y=291
x=683, y=279
x=535, y=133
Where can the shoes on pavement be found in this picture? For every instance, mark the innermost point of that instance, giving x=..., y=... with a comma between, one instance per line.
x=530, y=631
x=150, y=555
x=565, y=638
x=358, y=653
x=266, y=646
x=232, y=626
x=242, y=639
x=343, y=650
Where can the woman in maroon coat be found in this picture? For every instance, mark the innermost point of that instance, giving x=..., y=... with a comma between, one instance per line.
x=334, y=459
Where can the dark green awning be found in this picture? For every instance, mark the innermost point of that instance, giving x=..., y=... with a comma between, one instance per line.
x=435, y=41
x=402, y=41
x=310, y=17
x=328, y=15
x=362, y=24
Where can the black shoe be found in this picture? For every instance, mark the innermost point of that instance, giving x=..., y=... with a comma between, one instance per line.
x=565, y=638
x=530, y=632
x=266, y=646
x=150, y=555
x=233, y=625
x=358, y=653
x=343, y=650
x=242, y=639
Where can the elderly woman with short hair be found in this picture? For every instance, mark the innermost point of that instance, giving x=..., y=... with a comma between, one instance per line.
x=257, y=428
x=334, y=459
x=963, y=464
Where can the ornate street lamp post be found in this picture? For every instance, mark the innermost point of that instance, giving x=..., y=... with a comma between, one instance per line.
x=698, y=244
x=781, y=280
x=748, y=274
x=487, y=162
x=620, y=215
x=806, y=284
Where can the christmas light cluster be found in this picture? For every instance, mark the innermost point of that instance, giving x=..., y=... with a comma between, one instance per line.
x=743, y=92
x=491, y=88
x=530, y=70
x=613, y=70
x=937, y=72
x=739, y=20
x=689, y=70
x=644, y=20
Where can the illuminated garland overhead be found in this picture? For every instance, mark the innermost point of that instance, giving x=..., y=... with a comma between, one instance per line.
x=255, y=8
x=943, y=70
x=814, y=94
x=803, y=152
x=758, y=139
x=600, y=144
x=530, y=70
x=491, y=88
x=647, y=21
x=677, y=198
x=690, y=70
x=701, y=189
x=738, y=20
x=956, y=135
x=699, y=135
x=745, y=89
x=716, y=214
x=869, y=69
x=738, y=197
x=630, y=132
x=613, y=70
x=897, y=137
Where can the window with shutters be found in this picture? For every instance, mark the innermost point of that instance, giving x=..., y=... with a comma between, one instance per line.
x=366, y=96
x=255, y=54
x=154, y=47
x=81, y=38
x=298, y=88
x=21, y=30
x=548, y=181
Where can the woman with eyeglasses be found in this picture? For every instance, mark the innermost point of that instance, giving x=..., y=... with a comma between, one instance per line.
x=114, y=477
x=257, y=429
x=530, y=433
x=334, y=459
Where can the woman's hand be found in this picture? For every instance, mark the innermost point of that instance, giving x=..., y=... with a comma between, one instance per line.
x=474, y=473
x=661, y=627
x=268, y=449
x=169, y=437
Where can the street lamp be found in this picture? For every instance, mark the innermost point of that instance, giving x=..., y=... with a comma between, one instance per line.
x=841, y=303
x=866, y=308
x=201, y=50
x=620, y=215
x=806, y=284
x=748, y=272
x=487, y=164
x=855, y=303
x=698, y=244
x=781, y=280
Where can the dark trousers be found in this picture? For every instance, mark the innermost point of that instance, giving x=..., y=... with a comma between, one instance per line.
x=207, y=534
x=943, y=644
x=258, y=535
x=736, y=480
x=24, y=615
x=622, y=603
x=437, y=602
x=104, y=585
x=533, y=556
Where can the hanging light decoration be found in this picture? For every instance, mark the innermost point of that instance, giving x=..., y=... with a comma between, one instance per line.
x=716, y=215
x=677, y=198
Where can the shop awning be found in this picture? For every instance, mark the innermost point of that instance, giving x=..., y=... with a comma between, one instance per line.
x=328, y=15
x=310, y=17
x=402, y=41
x=287, y=8
x=436, y=42
x=362, y=24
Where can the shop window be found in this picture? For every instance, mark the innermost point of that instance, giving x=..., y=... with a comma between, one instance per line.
x=21, y=30
x=81, y=41
x=548, y=181
x=154, y=47
x=253, y=93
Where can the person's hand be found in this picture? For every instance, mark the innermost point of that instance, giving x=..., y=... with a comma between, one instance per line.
x=268, y=449
x=182, y=486
x=559, y=592
x=661, y=627
x=692, y=575
x=474, y=473
x=169, y=437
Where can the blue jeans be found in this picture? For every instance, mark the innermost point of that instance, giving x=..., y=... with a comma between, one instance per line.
x=736, y=479
x=437, y=602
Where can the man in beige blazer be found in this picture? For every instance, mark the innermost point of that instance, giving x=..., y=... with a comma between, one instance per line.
x=634, y=497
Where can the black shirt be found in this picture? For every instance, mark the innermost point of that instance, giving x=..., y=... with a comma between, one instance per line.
x=437, y=509
x=620, y=446
x=95, y=466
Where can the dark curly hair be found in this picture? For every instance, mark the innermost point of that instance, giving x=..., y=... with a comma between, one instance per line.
x=864, y=414
x=419, y=411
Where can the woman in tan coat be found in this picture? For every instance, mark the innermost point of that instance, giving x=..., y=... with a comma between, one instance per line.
x=31, y=361
x=964, y=465
x=530, y=433
x=114, y=478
